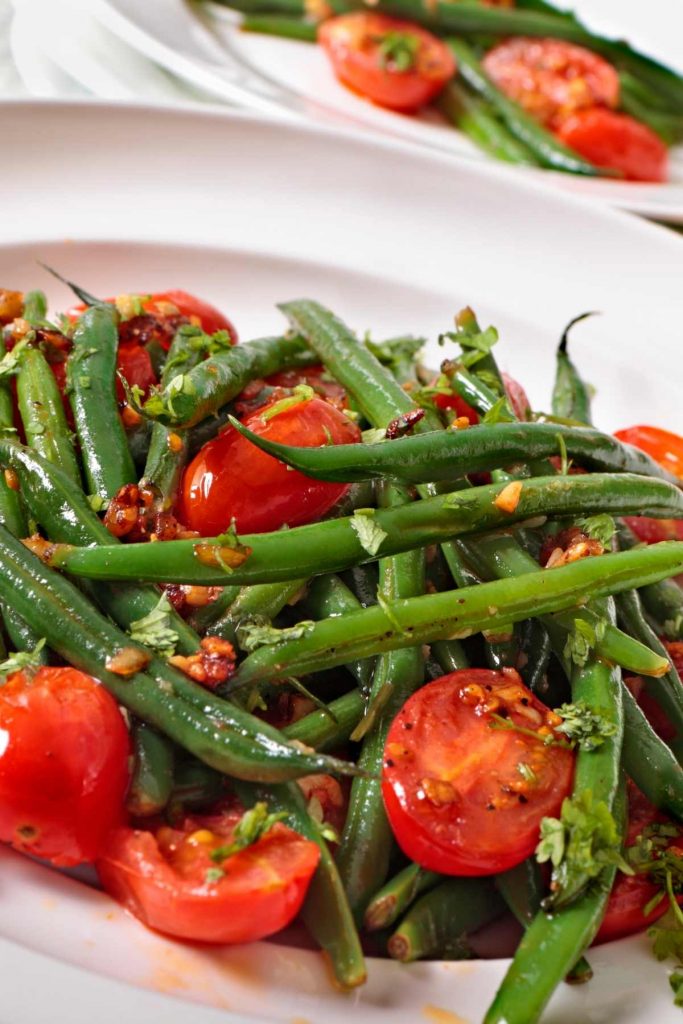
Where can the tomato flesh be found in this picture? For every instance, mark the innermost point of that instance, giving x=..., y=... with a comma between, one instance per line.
x=631, y=893
x=455, y=795
x=667, y=449
x=616, y=142
x=551, y=79
x=359, y=48
x=168, y=879
x=230, y=478
x=64, y=752
x=134, y=364
x=169, y=306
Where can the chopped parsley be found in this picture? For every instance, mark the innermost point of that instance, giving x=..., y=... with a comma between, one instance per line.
x=22, y=661
x=585, y=728
x=154, y=629
x=258, y=632
x=582, y=641
x=397, y=51
x=369, y=534
x=301, y=393
x=600, y=528
x=252, y=826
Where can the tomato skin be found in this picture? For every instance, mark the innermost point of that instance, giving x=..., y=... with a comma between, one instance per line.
x=230, y=478
x=64, y=765
x=667, y=449
x=352, y=43
x=459, y=406
x=551, y=79
x=161, y=878
x=210, y=319
x=616, y=142
x=452, y=788
x=517, y=397
x=134, y=363
x=631, y=893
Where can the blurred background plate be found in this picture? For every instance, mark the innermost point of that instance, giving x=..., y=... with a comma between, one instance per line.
x=248, y=212
x=201, y=43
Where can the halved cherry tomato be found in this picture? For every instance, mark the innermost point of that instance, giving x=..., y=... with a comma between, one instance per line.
x=171, y=305
x=394, y=63
x=230, y=478
x=64, y=752
x=465, y=794
x=459, y=406
x=550, y=78
x=134, y=363
x=667, y=449
x=631, y=893
x=169, y=880
x=617, y=142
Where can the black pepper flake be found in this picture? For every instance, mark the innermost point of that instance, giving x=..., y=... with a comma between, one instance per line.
x=522, y=799
x=389, y=763
x=407, y=725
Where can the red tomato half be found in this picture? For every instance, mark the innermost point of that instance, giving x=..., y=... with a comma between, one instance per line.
x=550, y=78
x=230, y=478
x=63, y=764
x=169, y=880
x=317, y=378
x=667, y=449
x=631, y=893
x=453, y=789
x=167, y=305
x=394, y=63
x=617, y=142
x=134, y=363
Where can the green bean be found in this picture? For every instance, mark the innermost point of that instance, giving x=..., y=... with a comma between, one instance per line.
x=440, y=921
x=22, y=637
x=571, y=396
x=550, y=947
x=326, y=911
x=65, y=515
x=107, y=461
x=201, y=619
x=385, y=908
x=266, y=599
x=450, y=655
x=168, y=449
x=535, y=651
x=293, y=8
x=663, y=601
x=35, y=307
x=500, y=556
x=336, y=544
x=648, y=760
x=363, y=580
x=152, y=781
x=457, y=614
x=195, y=785
x=640, y=102
x=475, y=118
x=280, y=25
x=367, y=840
x=11, y=511
x=217, y=732
x=42, y=413
x=326, y=729
x=193, y=396
x=666, y=690
x=138, y=438
x=425, y=458
x=544, y=146
x=329, y=597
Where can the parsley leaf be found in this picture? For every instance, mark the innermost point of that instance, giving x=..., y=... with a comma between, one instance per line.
x=258, y=632
x=579, y=845
x=586, y=728
x=394, y=351
x=582, y=640
x=676, y=982
x=20, y=661
x=397, y=50
x=301, y=393
x=600, y=528
x=369, y=534
x=154, y=630
x=251, y=827
x=498, y=413
x=475, y=343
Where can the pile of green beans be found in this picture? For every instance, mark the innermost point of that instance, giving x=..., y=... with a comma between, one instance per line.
x=453, y=579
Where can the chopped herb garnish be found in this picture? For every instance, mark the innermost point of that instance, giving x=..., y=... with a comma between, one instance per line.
x=252, y=826
x=369, y=534
x=582, y=640
x=600, y=528
x=154, y=630
x=585, y=728
x=397, y=51
x=21, y=661
x=254, y=633
x=301, y=393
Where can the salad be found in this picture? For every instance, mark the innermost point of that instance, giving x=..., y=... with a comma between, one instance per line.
x=526, y=81
x=298, y=628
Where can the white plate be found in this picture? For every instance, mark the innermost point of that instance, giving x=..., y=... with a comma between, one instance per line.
x=248, y=212
x=202, y=43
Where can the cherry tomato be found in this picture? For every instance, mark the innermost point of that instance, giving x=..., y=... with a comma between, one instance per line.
x=617, y=142
x=134, y=363
x=64, y=752
x=230, y=478
x=326, y=799
x=169, y=880
x=631, y=893
x=459, y=406
x=317, y=378
x=667, y=449
x=169, y=306
x=550, y=78
x=394, y=63
x=464, y=793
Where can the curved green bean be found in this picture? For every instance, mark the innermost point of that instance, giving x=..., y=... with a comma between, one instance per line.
x=42, y=414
